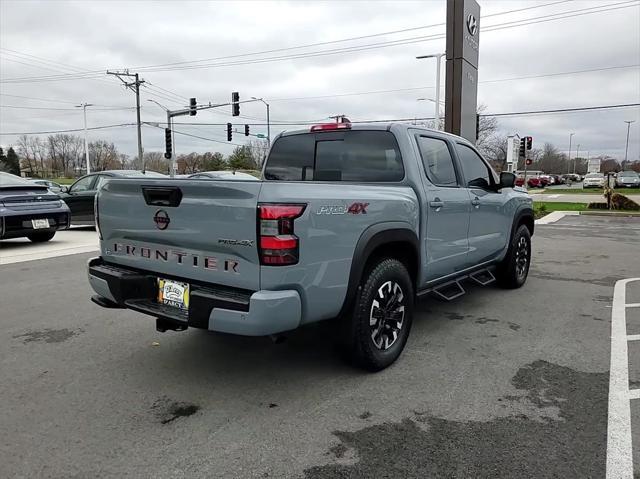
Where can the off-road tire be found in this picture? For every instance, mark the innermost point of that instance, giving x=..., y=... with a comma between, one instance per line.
x=512, y=272
x=41, y=237
x=359, y=342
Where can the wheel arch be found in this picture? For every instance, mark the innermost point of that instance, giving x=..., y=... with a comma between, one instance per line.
x=383, y=240
x=523, y=217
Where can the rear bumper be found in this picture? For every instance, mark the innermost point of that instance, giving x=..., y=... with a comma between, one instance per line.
x=212, y=307
x=18, y=225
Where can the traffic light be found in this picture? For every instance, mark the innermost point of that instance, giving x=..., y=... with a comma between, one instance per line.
x=192, y=107
x=529, y=142
x=235, y=105
x=167, y=143
x=246, y=130
x=229, y=132
x=523, y=144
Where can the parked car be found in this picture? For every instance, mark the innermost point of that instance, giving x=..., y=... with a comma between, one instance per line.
x=29, y=210
x=52, y=185
x=558, y=180
x=224, y=175
x=546, y=180
x=535, y=182
x=628, y=179
x=594, y=180
x=350, y=221
x=81, y=194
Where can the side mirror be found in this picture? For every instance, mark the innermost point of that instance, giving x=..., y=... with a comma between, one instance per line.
x=64, y=189
x=507, y=180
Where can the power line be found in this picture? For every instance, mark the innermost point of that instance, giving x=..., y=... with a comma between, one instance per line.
x=71, y=130
x=115, y=108
x=387, y=120
x=542, y=19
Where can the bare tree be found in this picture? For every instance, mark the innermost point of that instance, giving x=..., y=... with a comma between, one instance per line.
x=64, y=153
x=103, y=155
x=259, y=149
x=155, y=161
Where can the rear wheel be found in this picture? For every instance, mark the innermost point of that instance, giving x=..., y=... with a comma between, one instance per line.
x=382, y=315
x=514, y=269
x=41, y=237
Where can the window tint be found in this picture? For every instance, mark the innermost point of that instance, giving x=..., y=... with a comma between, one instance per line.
x=475, y=171
x=437, y=161
x=83, y=184
x=362, y=156
x=291, y=158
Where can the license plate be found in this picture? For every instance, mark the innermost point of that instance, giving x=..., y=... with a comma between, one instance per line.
x=173, y=293
x=39, y=224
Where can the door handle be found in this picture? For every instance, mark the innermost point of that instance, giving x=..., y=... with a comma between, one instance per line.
x=437, y=203
x=475, y=202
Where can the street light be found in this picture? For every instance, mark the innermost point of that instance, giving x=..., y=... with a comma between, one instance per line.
x=626, y=148
x=173, y=139
x=575, y=160
x=268, y=123
x=86, y=146
x=569, y=159
x=437, y=56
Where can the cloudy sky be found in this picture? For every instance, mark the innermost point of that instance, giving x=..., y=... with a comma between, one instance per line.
x=54, y=55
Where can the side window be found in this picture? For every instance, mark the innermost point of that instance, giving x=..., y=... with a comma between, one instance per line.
x=83, y=184
x=100, y=182
x=475, y=170
x=437, y=161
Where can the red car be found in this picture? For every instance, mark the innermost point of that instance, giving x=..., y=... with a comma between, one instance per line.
x=532, y=182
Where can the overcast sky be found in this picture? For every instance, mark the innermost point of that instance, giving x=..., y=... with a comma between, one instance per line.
x=45, y=38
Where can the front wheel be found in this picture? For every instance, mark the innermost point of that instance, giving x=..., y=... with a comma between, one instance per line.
x=41, y=237
x=513, y=271
x=382, y=315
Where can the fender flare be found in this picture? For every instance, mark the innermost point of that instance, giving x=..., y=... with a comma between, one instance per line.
x=525, y=212
x=371, y=238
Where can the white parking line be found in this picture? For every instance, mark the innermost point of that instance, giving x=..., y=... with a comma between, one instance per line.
x=634, y=394
x=633, y=305
x=633, y=337
x=619, y=450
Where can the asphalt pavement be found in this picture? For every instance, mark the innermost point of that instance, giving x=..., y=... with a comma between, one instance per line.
x=511, y=384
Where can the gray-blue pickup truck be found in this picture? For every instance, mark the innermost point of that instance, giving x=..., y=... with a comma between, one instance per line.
x=349, y=222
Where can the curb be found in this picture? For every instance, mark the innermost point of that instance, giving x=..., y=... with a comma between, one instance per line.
x=555, y=216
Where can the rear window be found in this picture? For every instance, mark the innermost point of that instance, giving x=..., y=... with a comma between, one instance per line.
x=360, y=156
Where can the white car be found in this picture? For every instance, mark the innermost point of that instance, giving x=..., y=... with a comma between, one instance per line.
x=628, y=179
x=594, y=180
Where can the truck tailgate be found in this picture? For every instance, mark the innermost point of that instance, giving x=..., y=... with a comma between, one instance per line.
x=200, y=230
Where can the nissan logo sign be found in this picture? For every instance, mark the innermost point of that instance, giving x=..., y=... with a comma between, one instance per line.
x=472, y=24
x=161, y=219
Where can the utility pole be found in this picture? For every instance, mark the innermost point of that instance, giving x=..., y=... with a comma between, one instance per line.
x=626, y=148
x=135, y=87
x=438, y=57
x=575, y=160
x=86, y=146
x=569, y=159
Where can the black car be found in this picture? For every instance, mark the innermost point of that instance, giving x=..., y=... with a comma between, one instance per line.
x=29, y=210
x=80, y=195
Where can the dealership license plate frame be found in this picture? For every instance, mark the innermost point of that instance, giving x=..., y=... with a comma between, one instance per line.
x=173, y=293
x=40, y=223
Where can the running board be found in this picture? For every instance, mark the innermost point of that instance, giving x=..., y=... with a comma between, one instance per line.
x=449, y=291
x=483, y=277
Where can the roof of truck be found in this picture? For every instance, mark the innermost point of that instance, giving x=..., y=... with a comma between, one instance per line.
x=376, y=126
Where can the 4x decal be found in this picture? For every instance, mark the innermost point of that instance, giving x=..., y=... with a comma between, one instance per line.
x=353, y=209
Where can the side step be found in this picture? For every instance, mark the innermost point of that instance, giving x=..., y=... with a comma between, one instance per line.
x=483, y=277
x=449, y=291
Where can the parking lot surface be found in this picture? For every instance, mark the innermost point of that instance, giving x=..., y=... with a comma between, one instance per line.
x=494, y=384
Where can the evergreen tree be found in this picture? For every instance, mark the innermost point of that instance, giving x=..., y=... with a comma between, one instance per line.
x=12, y=162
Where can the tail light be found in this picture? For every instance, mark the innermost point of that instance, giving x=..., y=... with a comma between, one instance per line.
x=278, y=245
x=96, y=215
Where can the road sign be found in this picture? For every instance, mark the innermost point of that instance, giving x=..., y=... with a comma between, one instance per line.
x=529, y=161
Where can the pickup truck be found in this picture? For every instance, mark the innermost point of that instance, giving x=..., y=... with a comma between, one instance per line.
x=350, y=222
